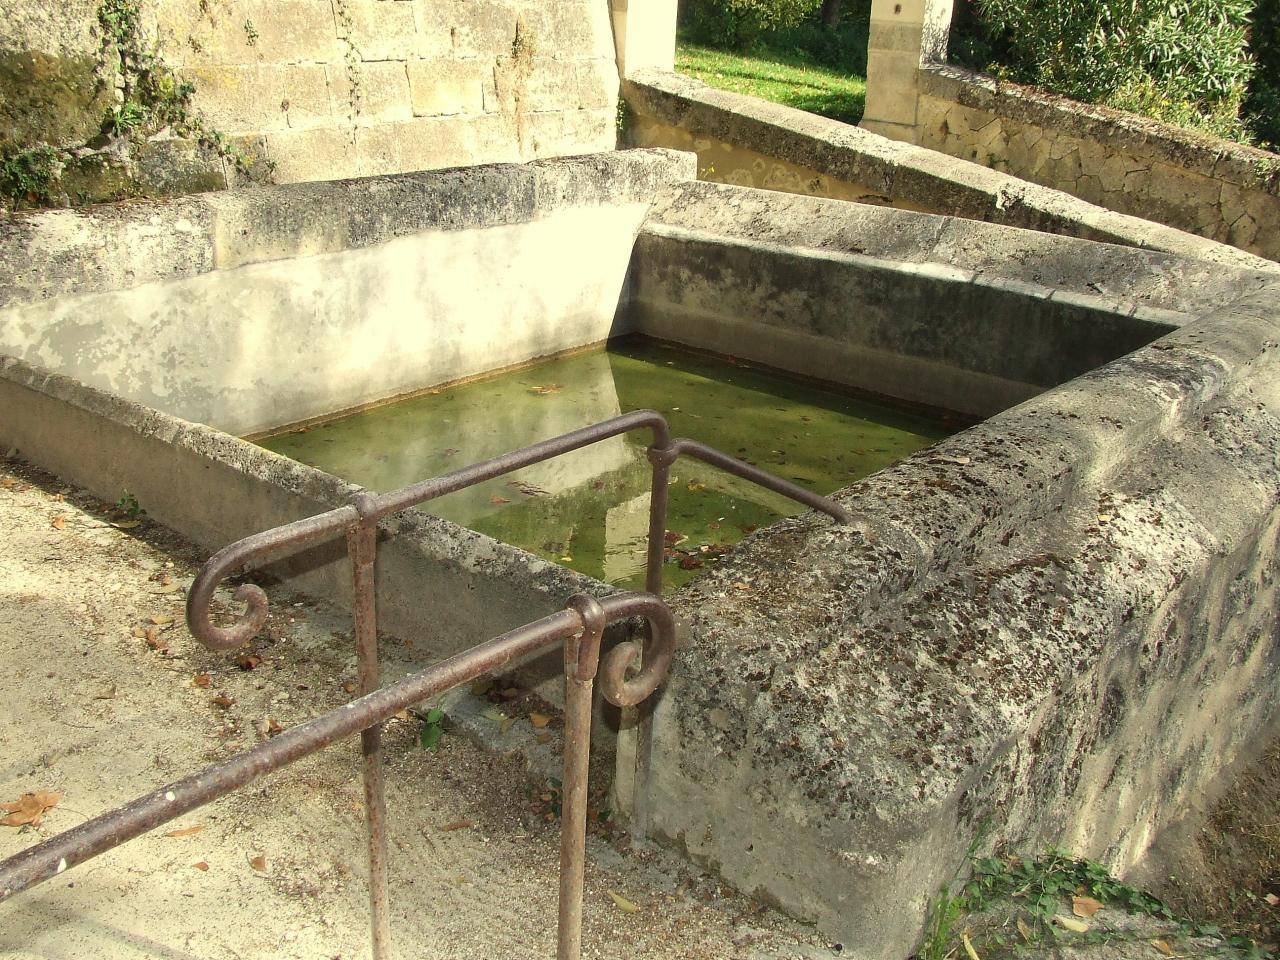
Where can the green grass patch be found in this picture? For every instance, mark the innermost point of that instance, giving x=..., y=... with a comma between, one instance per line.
x=784, y=74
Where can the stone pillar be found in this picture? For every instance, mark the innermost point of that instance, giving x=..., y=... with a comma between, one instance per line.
x=904, y=34
x=644, y=34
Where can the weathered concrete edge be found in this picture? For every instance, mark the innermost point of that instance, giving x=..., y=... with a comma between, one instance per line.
x=1161, y=391
x=1121, y=279
x=903, y=171
x=440, y=585
x=826, y=340
x=53, y=253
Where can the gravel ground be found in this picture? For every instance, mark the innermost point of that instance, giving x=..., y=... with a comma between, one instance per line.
x=105, y=697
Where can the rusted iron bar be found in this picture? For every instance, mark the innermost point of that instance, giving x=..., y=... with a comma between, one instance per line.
x=389, y=503
x=581, y=660
x=362, y=547
x=761, y=478
x=53, y=857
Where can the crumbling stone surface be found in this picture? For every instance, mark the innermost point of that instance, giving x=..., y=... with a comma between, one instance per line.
x=1058, y=626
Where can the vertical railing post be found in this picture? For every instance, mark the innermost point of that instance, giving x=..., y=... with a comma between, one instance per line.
x=362, y=546
x=581, y=659
x=635, y=731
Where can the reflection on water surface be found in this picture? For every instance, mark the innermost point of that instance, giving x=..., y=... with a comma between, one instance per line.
x=589, y=509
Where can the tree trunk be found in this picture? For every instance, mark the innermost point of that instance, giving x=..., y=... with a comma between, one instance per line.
x=831, y=14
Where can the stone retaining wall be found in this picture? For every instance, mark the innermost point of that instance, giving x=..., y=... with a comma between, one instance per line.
x=750, y=142
x=1207, y=186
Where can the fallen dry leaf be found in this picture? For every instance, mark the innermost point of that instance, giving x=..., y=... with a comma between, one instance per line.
x=1027, y=935
x=29, y=808
x=162, y=621
x=1085, y=906
x=1070, y=923
x=248, y=661
x=623, y=904
x=539, y=720
x=185, y=831
x=968, y=946
x=1163, y=946
x=126, y=524
x=456, y=825
x=200, y=680
x=1272, y=899
x=274, y=727
x=201, y=866
x=223, y=701
x=259, y=863
x=59, y=522
x=498, y=501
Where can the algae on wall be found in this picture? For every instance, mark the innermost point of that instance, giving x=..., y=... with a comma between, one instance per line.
x=89, y=112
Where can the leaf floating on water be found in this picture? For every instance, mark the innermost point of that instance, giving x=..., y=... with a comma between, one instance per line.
x=623, y=904
x=546, y=389
x=1085, y=906
x=498, y=501
x=528, y=489
x=185, y=831
x=29, y=808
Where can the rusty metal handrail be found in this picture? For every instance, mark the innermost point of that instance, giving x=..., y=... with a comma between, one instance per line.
x=580, y=625
x=358, y=522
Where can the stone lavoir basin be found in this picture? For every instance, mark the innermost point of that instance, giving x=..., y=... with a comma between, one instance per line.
x=588, y=510
x=1054, y=626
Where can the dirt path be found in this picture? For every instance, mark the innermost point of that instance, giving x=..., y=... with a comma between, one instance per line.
x=103, y=697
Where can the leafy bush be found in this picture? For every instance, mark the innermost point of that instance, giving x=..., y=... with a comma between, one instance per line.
x=1263, y=104
x=1182, y=61
x=737, y=24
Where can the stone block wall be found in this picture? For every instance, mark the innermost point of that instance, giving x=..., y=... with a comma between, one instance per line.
x=1210, y=187
x=339, y=88
x=329, y=89
x=1130, y=164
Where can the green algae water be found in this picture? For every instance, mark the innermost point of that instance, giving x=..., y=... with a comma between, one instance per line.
x=589, y=509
